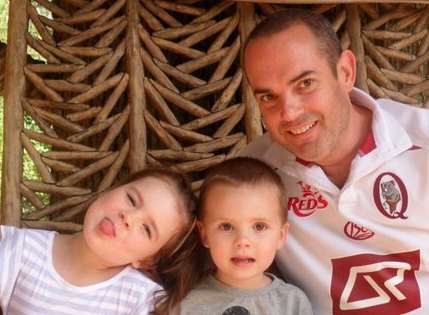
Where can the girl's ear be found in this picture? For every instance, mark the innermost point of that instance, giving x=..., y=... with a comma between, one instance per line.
x=283, y=235
x=203, y=233
x=146, y=264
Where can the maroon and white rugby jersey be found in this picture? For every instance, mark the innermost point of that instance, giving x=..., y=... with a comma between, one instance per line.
x=362, y=249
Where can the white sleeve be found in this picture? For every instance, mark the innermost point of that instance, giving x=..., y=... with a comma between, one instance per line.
x=11, y=247
x=148, y=302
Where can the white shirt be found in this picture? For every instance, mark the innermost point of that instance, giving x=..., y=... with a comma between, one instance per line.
x=29, y=284
x=361, y=249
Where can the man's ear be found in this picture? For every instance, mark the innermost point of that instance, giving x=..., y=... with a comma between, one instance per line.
x=346, y=69
x=203, y=233
x=283, y=235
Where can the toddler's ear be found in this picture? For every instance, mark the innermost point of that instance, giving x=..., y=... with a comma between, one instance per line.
x=203, y=233
x=283, y=235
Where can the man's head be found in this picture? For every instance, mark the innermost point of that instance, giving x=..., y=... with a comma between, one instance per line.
x=321, y=28
x=302, y=82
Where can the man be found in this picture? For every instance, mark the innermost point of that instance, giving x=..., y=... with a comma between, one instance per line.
x=356, y=177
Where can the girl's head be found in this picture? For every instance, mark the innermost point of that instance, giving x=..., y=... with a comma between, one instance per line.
x=242, y=220
x=140, y=220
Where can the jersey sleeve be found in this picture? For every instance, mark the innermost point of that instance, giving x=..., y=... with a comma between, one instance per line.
x=11, y=247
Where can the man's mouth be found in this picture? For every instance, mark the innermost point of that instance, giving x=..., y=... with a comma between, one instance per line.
x=303, y=129
x=107, y=227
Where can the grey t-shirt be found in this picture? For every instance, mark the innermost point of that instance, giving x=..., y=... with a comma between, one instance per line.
x=212, y=297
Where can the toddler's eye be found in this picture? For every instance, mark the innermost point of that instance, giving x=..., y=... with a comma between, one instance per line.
x=225, y=227
x=147, y=230
x=259, y=227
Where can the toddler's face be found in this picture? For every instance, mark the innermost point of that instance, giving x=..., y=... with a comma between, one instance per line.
x=242, y=227
x=132, y=222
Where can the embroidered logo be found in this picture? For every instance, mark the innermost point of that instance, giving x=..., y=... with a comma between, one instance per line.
x=390, y=196
x=357, y=232
x=375, y=284
x=236, y=310
x=310, y=201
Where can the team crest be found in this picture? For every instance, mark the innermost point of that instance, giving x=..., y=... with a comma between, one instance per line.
x=390, y=196
x=306, y=204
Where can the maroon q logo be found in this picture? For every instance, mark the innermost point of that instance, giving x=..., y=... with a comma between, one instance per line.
x=390, y=196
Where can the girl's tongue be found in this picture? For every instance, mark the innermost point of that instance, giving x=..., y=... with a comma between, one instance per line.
x=107, y=227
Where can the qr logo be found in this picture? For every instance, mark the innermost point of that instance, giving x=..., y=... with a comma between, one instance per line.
x=375, y=284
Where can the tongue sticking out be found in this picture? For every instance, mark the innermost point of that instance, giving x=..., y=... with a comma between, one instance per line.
x=107, y=228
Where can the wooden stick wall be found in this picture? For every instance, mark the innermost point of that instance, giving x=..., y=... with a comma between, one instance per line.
x=128, y=83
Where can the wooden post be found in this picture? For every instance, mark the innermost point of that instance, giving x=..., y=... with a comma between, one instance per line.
x=355, y=32
x=252, y=118
x=136, y=96
x=14, y=90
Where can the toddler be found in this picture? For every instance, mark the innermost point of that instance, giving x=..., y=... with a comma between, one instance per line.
x=98, y=271
x=242, y=222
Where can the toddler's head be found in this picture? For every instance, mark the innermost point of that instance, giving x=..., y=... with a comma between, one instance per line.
x=242, y=220
x=141, y=220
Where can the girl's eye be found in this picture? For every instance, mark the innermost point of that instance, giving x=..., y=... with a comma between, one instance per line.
x=147, y=230
x=225, y=227
x=266, y=98
x=259, y=227
x=131, y=200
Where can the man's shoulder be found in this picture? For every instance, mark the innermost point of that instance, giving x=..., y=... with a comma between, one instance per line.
x=413, y=119
x=257, y=147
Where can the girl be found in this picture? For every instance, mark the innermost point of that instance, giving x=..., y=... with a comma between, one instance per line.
x=242, y=221
x=95, y=271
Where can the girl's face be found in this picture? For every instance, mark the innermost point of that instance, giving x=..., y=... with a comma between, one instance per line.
x=242, y=227
x=130, y=224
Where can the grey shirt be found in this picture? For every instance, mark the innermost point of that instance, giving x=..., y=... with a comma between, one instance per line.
x=212, y=297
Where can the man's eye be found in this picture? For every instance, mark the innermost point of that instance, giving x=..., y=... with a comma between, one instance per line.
x=259, y=227
x=147, y=230
x=306, y=83
x=225, y=227
x=131, y=200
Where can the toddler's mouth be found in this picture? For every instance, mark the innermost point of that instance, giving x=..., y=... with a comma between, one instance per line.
x=242, y=260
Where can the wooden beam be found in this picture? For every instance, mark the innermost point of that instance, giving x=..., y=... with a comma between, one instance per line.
x=14, y=89
x=333, y=1
x=136, y=94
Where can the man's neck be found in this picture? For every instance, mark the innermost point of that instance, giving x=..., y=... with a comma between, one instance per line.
x=360, y=124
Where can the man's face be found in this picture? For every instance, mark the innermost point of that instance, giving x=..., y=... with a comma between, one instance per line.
x=305, y=106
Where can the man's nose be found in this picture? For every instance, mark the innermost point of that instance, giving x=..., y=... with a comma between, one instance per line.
x=290, y=108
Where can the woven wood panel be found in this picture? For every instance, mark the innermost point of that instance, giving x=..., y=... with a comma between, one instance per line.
x=129, y=83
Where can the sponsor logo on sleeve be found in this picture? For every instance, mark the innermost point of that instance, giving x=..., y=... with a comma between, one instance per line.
x=375, y=284
x=390, y=196
x=357, y=232
x=306, y=204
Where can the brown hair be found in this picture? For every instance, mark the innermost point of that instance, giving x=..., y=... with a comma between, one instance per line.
x=193, y=262
x=163, y=260
x=320, y=27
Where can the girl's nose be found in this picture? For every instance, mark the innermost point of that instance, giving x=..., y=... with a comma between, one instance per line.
x=130, y=217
